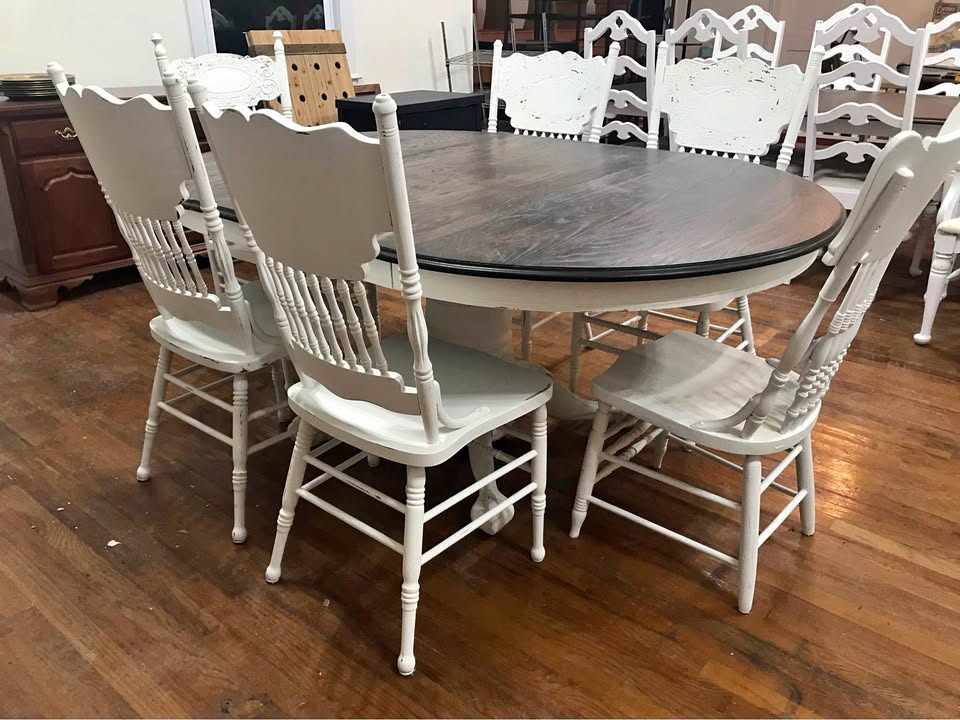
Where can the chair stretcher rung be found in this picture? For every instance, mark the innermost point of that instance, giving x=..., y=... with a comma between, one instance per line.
x=543, y=321
x=193, y=422
x=730, y=330
x=321, y=449
x=514, y=433
x=621, y=327
x=200, y=392
x=508, y=458
x=350, y=520
x=780, y=467
x=272, y=440
x=337, y=472
x=604, y=347
x=257, y=414
x=781, y=516
x=672, y=482
x=469, y=528
x=474, y=487
x=672, y=534
x=627, y=422
x=706, y=453
x=187, y=369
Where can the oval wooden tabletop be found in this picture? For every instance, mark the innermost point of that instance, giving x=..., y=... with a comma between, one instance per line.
x=499, y=205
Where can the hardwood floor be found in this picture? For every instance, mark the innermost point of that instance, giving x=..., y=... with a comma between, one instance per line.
x=863, y=619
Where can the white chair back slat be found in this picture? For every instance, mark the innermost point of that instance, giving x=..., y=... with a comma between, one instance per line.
x=314, y=279
x=142, y=166
x=863, y=69
x=751, y=18
x=557, y=95
x=232, y=80
x=949, y=57
x=731, y=107
x=906, y=175
x=706, y=26
x=621, y=26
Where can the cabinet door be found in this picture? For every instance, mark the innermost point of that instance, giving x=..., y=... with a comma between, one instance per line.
x=73, y=225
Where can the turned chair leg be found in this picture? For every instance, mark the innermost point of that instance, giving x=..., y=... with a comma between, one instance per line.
x=944, y=252
x=588, y=472
x=703, y=324
x=240, y=427
x=919, y=246
x=808, y=506
x=412, y=553
x=526, y=333
x=576, y=347
x=749, y=531
x=660, y=448
x=746, y=329
x=538, y=500
x=280, y=391
x=642, y=325
x=153, y=413
x=289, y=504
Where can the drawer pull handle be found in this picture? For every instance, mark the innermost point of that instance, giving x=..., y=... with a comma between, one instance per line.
x=68, y=133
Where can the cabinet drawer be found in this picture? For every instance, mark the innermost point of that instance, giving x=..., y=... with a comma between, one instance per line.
x=50, y=136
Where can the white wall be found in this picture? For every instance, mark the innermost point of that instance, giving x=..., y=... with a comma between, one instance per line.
x=399, y=44
x=102, y=42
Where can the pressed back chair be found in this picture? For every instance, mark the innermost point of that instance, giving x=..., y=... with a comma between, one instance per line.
x=712, y=398
x=555, y=95
x=858, y=69
x=354, y=386
x=621, y=27
x=137, y=155
x=753, y=17
x=232, y=80
x=729, y=108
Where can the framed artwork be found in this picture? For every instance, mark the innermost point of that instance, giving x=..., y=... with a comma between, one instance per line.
x=949, y=39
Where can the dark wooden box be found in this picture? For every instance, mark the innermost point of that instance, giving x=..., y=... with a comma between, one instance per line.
x=418, y=110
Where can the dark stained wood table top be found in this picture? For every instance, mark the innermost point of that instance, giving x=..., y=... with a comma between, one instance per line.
x=542, y=209
x=930, y=109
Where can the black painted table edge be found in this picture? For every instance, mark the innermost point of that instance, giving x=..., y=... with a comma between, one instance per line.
x=625, y=274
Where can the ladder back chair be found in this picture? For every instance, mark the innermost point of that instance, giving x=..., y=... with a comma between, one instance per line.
x=232, y=80
x=712, y=398
x=388, y=397
x=859, y=69
x=942, y=57
x=554, y=95
x=710, y=29
x=729, y=108
x=855, y=50
x=136, y=153
x=753, y=17
x=625, y=102
x=946, y=244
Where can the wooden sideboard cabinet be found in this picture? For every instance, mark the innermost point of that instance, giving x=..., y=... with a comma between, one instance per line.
x=56, y=229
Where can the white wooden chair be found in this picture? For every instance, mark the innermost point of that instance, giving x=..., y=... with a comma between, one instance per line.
x=729, y=108
x=946, y=244
x=948, y=58
x=854, y=51
x=753, y=17
x=135, y=150
x=391, y=399
x=712, y=398
x=232, y=80
x=555, y=95
x=859, y=69
x=625, y=103
x=708, y=28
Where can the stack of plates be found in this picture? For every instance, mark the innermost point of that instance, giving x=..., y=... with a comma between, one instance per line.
x=29, y=86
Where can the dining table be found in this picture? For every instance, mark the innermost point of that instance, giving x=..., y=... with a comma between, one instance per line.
x=504, y=223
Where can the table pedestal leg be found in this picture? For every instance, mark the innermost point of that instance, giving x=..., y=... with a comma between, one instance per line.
x=490, y=330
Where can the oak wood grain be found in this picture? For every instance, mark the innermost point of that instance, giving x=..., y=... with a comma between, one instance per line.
x=542, y=209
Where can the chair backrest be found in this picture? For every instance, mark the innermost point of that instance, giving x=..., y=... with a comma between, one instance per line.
x=138, y=157
x=621, y=26
x=706, y=26
x=752, y=17
x=852, y=51
x=560, y=95
x=314, y=274
x=948, y=57
x=862, y=67
x=232, y=80
x=901, y=182
x=732, y=107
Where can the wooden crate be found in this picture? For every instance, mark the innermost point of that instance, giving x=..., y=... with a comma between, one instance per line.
x=317, y=68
